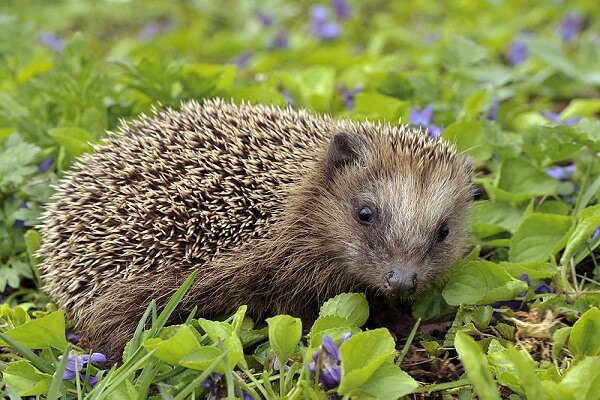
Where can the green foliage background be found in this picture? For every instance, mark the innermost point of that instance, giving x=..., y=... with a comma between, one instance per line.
x=70, y=70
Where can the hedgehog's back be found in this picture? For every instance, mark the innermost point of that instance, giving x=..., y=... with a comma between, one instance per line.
x=170, y=192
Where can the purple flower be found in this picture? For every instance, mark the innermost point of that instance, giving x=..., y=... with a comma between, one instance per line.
x=420, y=117
x=525, y=278
x=493, y=111
x=242, y=60
x=75, y=364
x=154, y=28
x=280, y=41
x=569, y=27
x=555, y=118
x=73, y=337
x=45, y=164
x=341, y=8
x=561, y=173
x=423, y=118
x=51, y=41
x=212, y=382
x=516, y=53
x=287, y=96
x=595, y=234
x=543, y=288
x=19, y=223
x=320, y=25
x=265, y=18
x=327, y=360
x=348, y=95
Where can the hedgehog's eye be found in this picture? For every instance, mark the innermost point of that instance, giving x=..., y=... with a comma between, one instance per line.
x=366, y=215
x=442, y=232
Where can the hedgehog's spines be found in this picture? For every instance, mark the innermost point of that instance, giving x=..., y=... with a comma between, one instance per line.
x=240, y=193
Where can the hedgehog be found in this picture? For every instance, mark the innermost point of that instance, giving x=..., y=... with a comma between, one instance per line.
x=277, y=209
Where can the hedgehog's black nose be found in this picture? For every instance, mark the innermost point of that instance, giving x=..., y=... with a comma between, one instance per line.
x=401, y=281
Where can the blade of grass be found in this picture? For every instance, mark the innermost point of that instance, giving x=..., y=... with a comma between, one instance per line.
x=36, y=361
x=409, y=341
x=56, y=386
x=193, y=385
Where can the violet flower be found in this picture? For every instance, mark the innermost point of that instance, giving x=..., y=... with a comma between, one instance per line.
x=154, y=28
x=541, y=288
x=516, y=53
x=212, y=383
x=73, y=337
x=19, y=223
x=242, y=60
x=45, y=164
x=595, y=234
x=342, y=9
x=265, y=18
x=517, y=305
x=287, y=97
x=327, y=359
x=561, y=173
x=75, y=365
x=348, y=95
x=493, y=111
x=279, y=41
x=51, y=41
x=555, y=118
x=423, y=118
x=569, y=27
x=320, y=25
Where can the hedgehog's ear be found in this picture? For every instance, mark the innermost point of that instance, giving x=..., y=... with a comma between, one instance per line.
x=344, y=149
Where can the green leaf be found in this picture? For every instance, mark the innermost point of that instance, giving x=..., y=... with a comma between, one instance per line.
x=468, y=137
x=585, y=335
x=553, y=54
x=473, y=105
x=379, y=106
x=462, y=53
x=362, y=354
x=431, y=304
x=539, y=236
x=503, y=367
x=588, y=222
x=521, y=180
x=76, y=141
x=559, y=338
x=40, y=333
x=174, y=347
x=326, y=322
x=581, y=108
x=25, y=379
x=284, y=334
x=202, y=358
x=531, y=384
x=534, y=270
x=222, y=331
x=481, y=282
x=352, y=306
x=476, y=366
x=316, y=87
x=493, y=217
x=32, y=241
x=582, y=379
x=390, y=382
x=17, y=160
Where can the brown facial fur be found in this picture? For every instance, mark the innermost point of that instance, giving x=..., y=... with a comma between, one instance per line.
x=263, y=201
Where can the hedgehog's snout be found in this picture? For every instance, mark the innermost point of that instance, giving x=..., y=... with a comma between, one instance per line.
x=401, y=281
